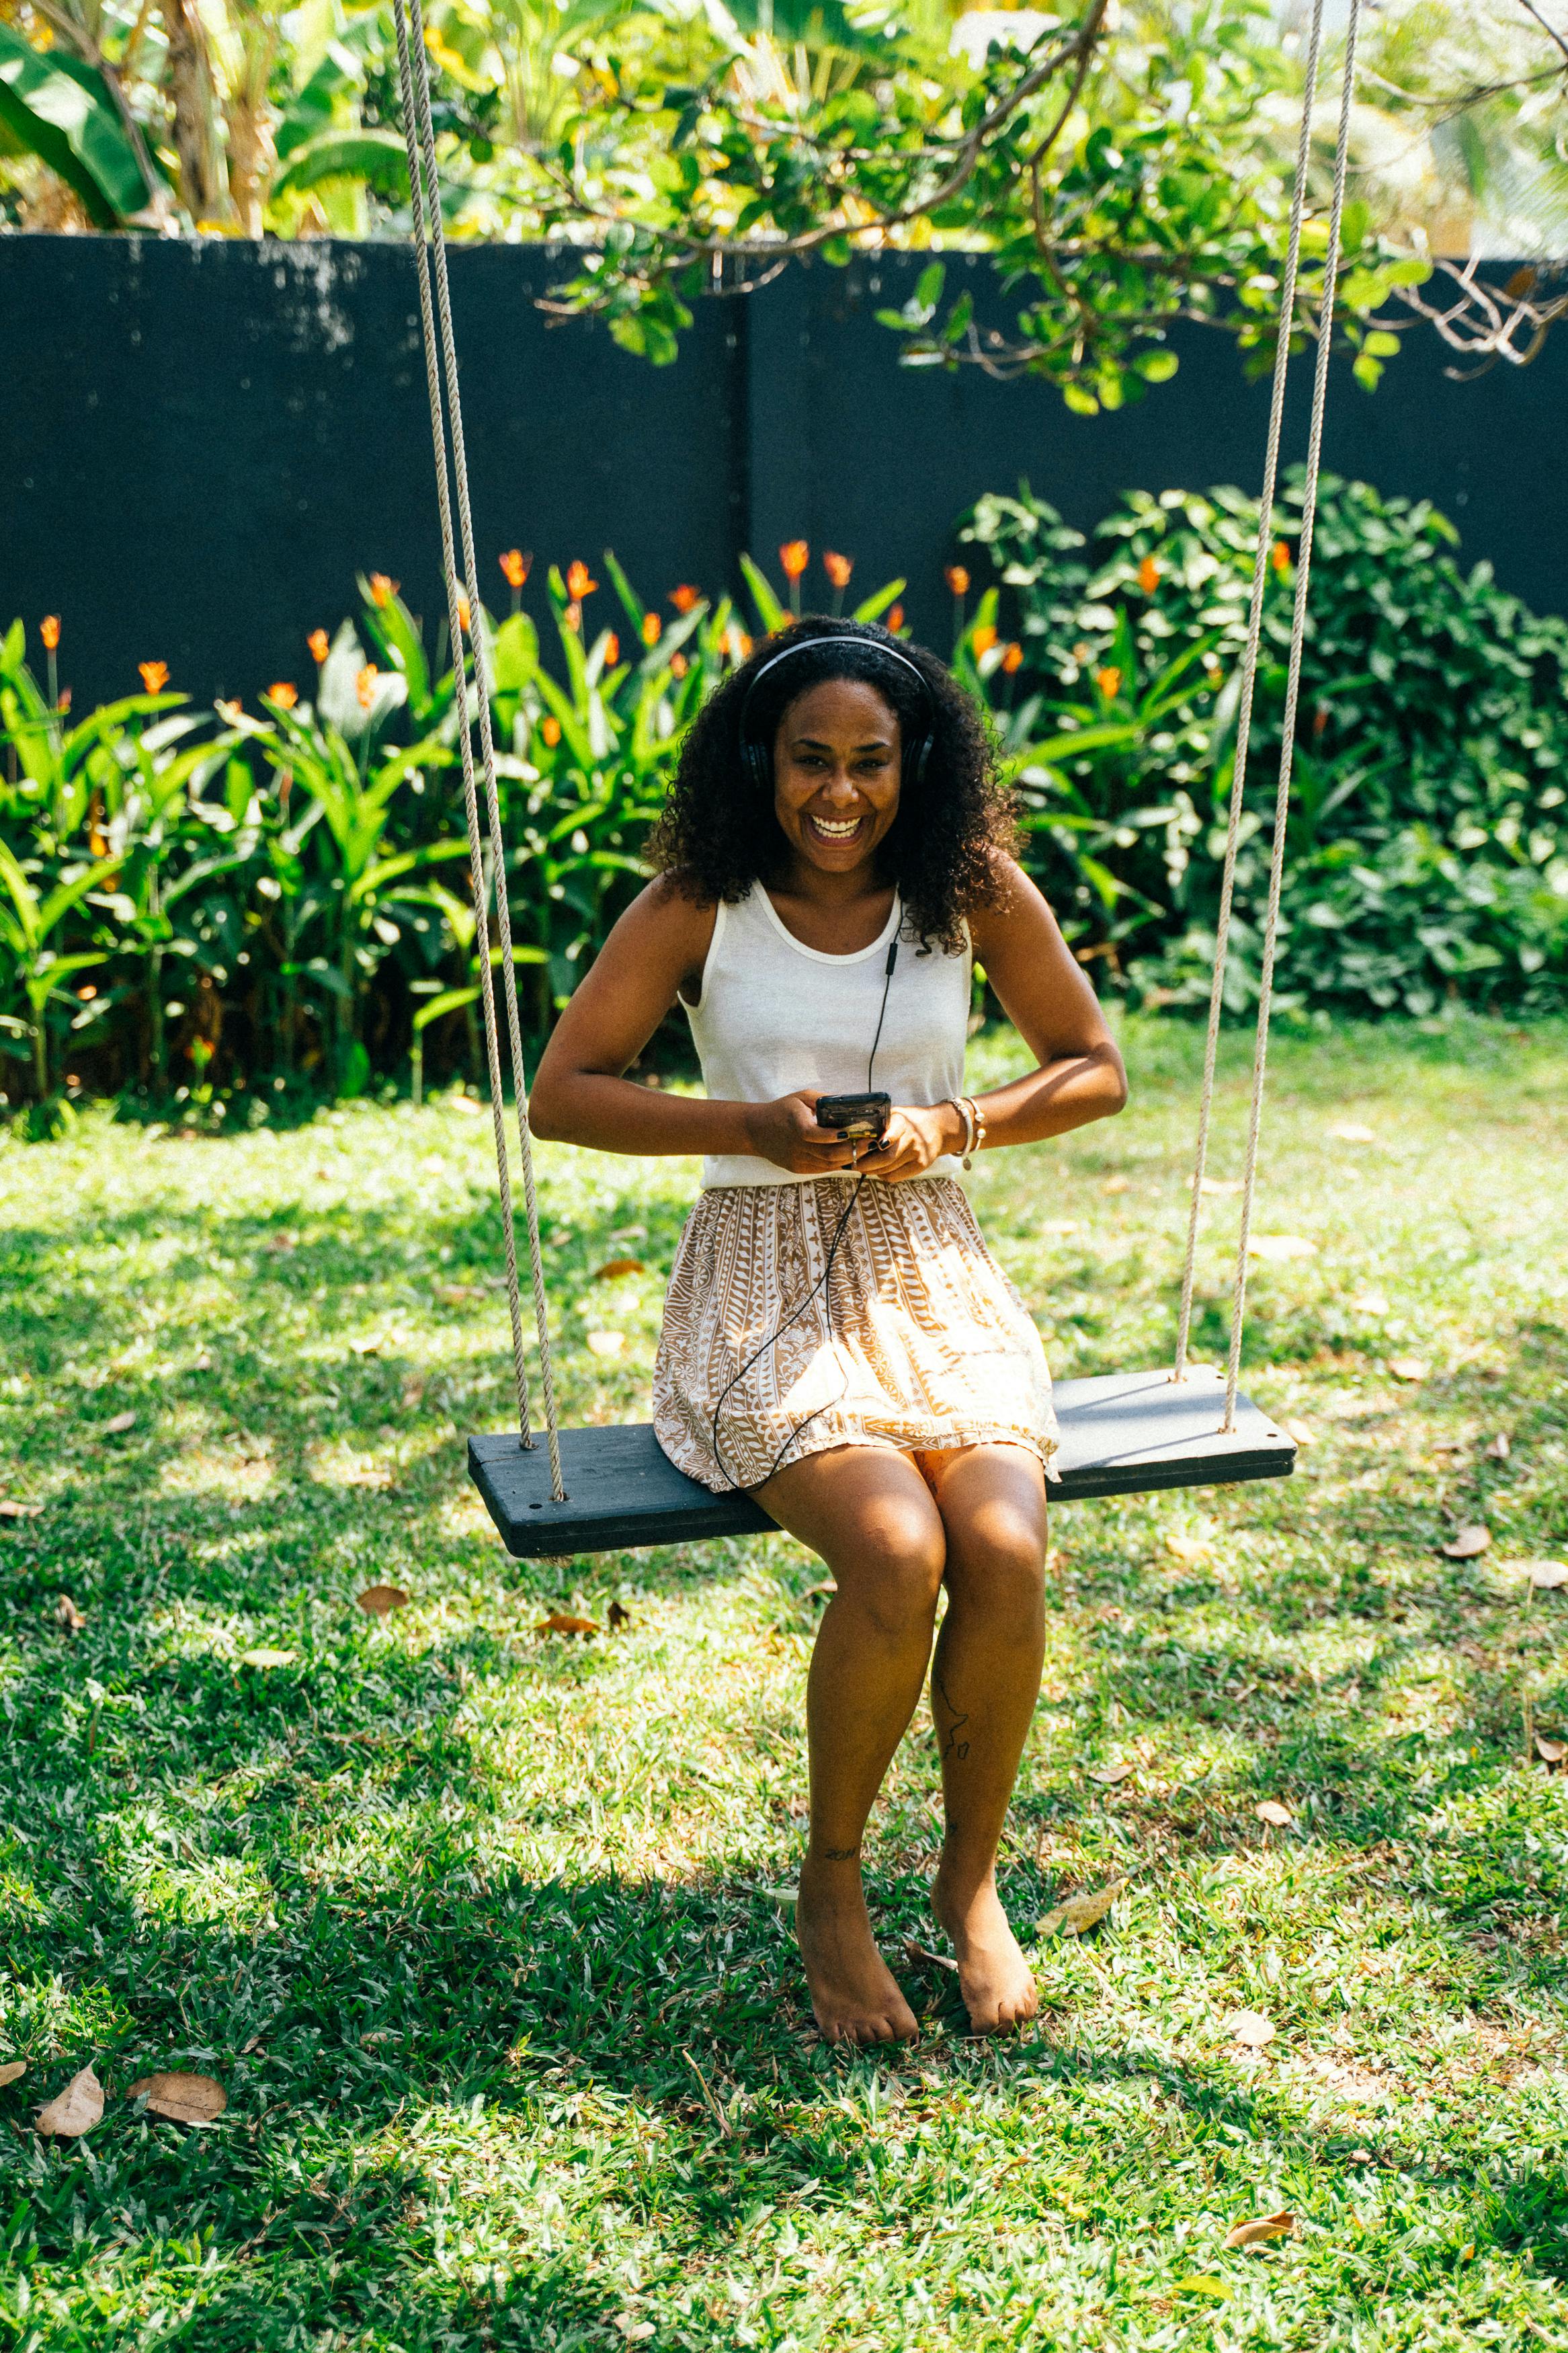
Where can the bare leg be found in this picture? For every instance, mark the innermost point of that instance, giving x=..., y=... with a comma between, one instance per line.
x=985, y=1679
x=869, y=1513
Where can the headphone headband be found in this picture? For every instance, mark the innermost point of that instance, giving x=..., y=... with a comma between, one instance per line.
x=757, y=757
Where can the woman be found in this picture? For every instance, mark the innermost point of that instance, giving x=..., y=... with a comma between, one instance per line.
x=837, y=1337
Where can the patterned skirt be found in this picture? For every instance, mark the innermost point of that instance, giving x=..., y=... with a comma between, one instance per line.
x=915, y=1339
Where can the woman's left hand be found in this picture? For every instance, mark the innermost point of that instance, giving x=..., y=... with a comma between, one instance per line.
x=915, y=1135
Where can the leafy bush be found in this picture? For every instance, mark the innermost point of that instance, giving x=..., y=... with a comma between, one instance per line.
x=1427, y=855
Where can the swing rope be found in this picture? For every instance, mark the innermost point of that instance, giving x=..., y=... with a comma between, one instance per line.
x=418, y=130
x=1292, y=693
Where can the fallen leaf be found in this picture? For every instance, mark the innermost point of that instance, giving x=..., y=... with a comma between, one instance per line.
x=1551, y=1752
x=1299, y=1432
x=1109, y=1775
x=1116, y=1184
x=606, y=1344
x=69, y=1616
x=618, y=1617
x=1370, y=1302
x=614, y=1269
x=266, y=1657
x=457, y=1295
x=1191, y=1548
x=465, y=1103
x=365, y=1348
x=118, y=1426
x=1273, y=1247
x=10, y=1510
x=75, y=2110
x=1501, y=1448
x=182, y=2099
x=1079, y=1912
x=11, y=2070
x=1220, y=1185
x=561, y=1621
x=1258, y=2229
x=1545, y=1575
x=1059, y=1226
x=924, y=1952
x=1203, y=2284
x=1351, y=1131
x=1249, y=2026
x=1409, y=1368
x=823, y=1592
x=1468, y=1542
x=636, y=2332
x=376, y=1600
x=781, y=1895
x=1271, y=1811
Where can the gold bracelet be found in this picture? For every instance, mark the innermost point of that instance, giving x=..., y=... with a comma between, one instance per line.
x=962, y=1106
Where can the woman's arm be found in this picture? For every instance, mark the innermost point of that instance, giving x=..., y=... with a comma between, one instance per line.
x=1079, y=1074
x=580, y=1094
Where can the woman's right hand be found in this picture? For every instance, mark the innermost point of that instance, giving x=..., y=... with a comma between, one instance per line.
x=785, y=1132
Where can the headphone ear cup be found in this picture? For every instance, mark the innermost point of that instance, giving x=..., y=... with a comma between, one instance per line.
x=755, y=762
x=919, y=754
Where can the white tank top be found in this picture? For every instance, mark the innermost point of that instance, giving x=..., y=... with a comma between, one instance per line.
x=775, y=1014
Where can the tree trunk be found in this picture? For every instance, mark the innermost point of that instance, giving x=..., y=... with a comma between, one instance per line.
x=204, y=183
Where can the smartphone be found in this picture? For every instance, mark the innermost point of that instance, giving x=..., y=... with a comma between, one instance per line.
x=854, y=1116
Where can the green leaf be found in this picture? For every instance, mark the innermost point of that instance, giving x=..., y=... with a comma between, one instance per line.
x=376, y=158
x=515, y=654
x=771, y=614
x=64, y=112
x=873, y=608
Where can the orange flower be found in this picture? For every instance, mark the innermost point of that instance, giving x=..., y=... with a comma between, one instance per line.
x=573, y=615
x=154, y=676
x=896, y=619
x=684, y=598
x=551, y=731
x=364, y=685
x=65, y=701
x=578, y=584
x=383, y=589
x=795, y=555
x=1281, y=556
x=745, y=646
x=837, y=568
x=87, y=994
x=983, y=638
x=464, y=613
x=50, y=632
x=958, y=579
x=1148, y=575
x=650, y=628
x=611, y=650
x=516, y=566
x=1108, y=681
x=1012, y=656
x=283, y=694
x=317, y=641
x=677, y=664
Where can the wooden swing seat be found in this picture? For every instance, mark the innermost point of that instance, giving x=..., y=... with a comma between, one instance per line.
x=1121, y=1434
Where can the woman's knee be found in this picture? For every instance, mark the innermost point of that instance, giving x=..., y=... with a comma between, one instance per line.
x=889, y=1571
x=997, y=1559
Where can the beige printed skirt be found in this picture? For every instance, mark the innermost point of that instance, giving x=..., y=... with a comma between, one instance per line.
x=915, y=1340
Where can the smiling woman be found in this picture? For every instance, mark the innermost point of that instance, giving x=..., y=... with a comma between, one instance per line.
x=838, y=1339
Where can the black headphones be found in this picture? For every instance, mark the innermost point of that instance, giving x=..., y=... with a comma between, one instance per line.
x=757, y=757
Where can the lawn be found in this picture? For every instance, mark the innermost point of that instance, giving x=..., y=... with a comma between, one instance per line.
x=480, y=1928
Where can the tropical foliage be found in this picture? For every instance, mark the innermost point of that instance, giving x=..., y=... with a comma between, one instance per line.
x=1126, y=168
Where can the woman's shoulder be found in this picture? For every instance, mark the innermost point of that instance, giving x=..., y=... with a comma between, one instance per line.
x=670, y=919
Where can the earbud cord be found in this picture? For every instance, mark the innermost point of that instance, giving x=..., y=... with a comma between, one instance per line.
x=784, y=1322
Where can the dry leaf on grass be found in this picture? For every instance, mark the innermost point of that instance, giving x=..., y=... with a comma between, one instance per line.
x=924, y=1952
x=68, y=1615
x=1299, y=1431
x=1550, y=1752
x=1351, y=1131
x=614, y=1268
x=1409, y=1368
x=606, y=1344
x=464, y=1103
x=266, y=1657
x=1544, y=1574
x=1370, y=1302
x=1108, y=1776
x=376, y=1600
x=1079, y=1912
x=182, y=2099
x=561, y=1621
x=371, y=1347
x=118, y=1426
x=1276, y=1248
x=1501, y=1448
x=75, y=2110
x=1250, y=2027
x=1260, y=2228
x=1271, y=1811
x=1191, y=1548
x=457, y=1295
x=12, y=1510
x=1468, y=1542
x=1116, y=1184
x=619, y=1617
x=12, y=2070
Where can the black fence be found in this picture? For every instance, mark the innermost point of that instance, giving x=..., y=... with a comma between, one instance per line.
x=204, y=440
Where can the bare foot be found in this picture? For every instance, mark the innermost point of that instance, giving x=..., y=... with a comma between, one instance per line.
x=995, y=1981
x=853, y=1991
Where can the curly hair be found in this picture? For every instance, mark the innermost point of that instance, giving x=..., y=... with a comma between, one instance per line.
x=717, y=835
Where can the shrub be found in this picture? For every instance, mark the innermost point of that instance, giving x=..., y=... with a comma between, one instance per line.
x=1427, y=855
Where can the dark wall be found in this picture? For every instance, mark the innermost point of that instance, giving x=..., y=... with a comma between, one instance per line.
x=204, y=440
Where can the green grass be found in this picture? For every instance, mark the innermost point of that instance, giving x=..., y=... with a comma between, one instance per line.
x=473, y=1926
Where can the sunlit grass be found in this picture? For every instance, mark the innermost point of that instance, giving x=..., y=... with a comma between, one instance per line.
x=478, y=1929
